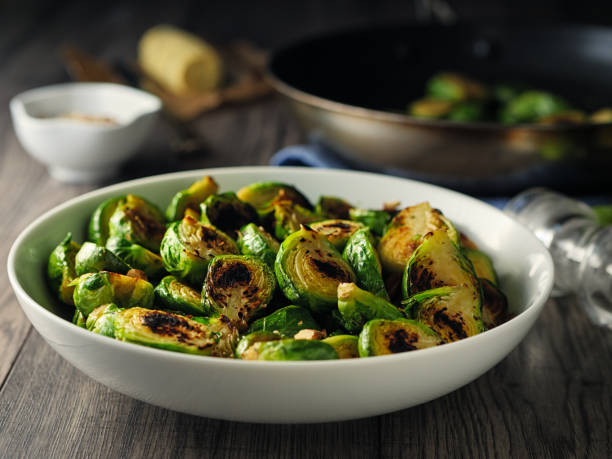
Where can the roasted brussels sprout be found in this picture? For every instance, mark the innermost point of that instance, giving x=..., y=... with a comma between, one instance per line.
x=337, y=231
x=102, y=320
x=285, y=322
x=173, y=294
x=455, y=88
x=137, y=257
x=166, y=330
x=530, y=106
x=138, y=221
x=239, y=287
x=482, y=264
x=453, y=312
x=376, y=220
x=603, y=115
x=430, y=108
x=228, y=213
x=331, y=207
x=95, y=289
x=288, y=217
x=345, y=345
x=358, y=306
x=309, y=269
x=78, y=319
x=92, y=258
x=383, y=336
x=406, y=232
x=249, y=340
x=188, y=247
x=564, y=117
x=261, y=195
x=361, y=254
x=467, y=112
x=191, y=198
x=61, y=269
x=98, y=230
x=290, y=349
x=505, y=92
x=256, y=241
x=494, y=304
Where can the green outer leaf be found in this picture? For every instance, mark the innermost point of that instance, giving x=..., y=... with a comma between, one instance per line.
x=256, y=242
x=286, y=322
x=98, y=230
x=255, y=337
x=92, y=258
x=102, y=320
x=290, y=349
x=138, y=257
x=359, y=306
x=174, y=295
x=377, y=220
x=347, y=346
x=361, y=254
x=382, y=336
x=191, y=197
x=61, y=269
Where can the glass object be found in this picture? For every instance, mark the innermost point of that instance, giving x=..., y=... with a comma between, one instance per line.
x=581, y=248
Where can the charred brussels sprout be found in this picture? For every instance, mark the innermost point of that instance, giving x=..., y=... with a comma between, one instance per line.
x=361, y=254
x=285, y=322
x=290, y=349
x=102, y=320
x=262, y=194
x=173, y=294
x=453, y=312
x=239, y=287
x=98, y=230
x=376, y=220
x=138, y=221
x=494, y=304
x=382, y=337
x=331, y=207
x=530, y=106
x=256, y=241
x=288, y=217
x=455, y=88
x=166, y=330
x=309, y=269
x=61, y=269
x=345, y=345
x=95, y=289
x=137, y=257
x=191, y=198
x=406, y=232
x=337, y=231
x=430, y=108
x=227, y=212
x=249, y=340
x=92, y=258
x=483, y=266
x=358, y=306
x=188, y=247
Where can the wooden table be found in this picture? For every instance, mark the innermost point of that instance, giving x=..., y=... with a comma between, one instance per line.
x=550, y=398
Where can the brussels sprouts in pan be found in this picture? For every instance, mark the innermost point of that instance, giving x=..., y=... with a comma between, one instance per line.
x=102, y=320
x=376, y=220
x=453, y=312
x=309, y=269
x=337, y=231
x=138, y=221
x=345, y=345
x=483, y=266
x=406, y=232
x=98, y=230
x=166, y=330
x=361, y=254
x=430, y=108
x=564, y=117
x=383, y=336
x=455, y=88
x=466, y=112
x=137, y=257
x=61, y=269
x=285, y=322
x=239, y=287
x=358, y=306
x=332, y=207
x=261, y=195
x=92, y=258
x=95, y=289
x=255, y=241
x=530, y=106
x=288, y=217
x=249, y=340
x=228, y=213
x=494, y=304
x=191, y=198
x=290, y=349
x=173, y=294
x=188, y=247
x=603, y=115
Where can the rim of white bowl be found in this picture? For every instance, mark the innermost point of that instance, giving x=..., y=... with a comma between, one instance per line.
x=538, y=300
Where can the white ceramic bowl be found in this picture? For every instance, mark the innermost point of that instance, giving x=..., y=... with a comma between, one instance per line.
x=79, y=151
x=288, y=391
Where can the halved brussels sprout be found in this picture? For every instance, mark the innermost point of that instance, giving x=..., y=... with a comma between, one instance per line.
x=166, y=330
x=137, y=257
x=249, y=340
x=483, y=266
x=285, y=322
x=138, y=221
x=455, y=88
x=173, y=294
x=191, y=198
x=239, y=287
x=95, y=289
x=345, y=345
x=92, y=258
x=256, y=241
x=102, y=320
x=309, y=269
x=406, y=232
x=337, y=231
x=494, y=304
x=383, y=336
x=531, y=106
x=228, y=213
x=290, y=349
x=188, y=247
x=331, y=207
x=376, y=220
x=430, y=108
x=261, y=195
x=453, y=312
x=363, y=258
x=358, y=306
x=98, y=230
x=288, y=217
x=61, y=269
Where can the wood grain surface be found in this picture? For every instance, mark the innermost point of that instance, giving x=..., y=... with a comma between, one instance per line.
x=550, y=398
